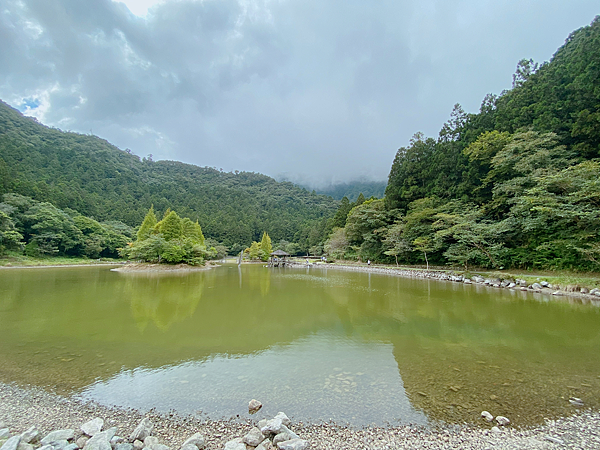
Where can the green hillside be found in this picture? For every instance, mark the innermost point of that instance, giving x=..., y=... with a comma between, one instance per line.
x=515, y=185
x=95, y=178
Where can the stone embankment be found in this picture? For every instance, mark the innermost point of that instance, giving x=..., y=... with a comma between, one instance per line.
x=543, y=287
x=31, y=419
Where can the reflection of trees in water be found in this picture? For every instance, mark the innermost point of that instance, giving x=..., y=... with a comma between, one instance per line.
x=163, y=299
x=260, y=280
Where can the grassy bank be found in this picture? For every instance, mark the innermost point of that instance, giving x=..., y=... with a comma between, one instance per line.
x=15, y=259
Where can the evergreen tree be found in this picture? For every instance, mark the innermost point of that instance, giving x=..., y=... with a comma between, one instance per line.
x=265, y=246
x=171, y=226
x=147, y=225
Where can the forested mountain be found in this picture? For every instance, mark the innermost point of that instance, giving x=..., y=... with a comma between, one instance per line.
x=95, y=178
x=515, y=185
x=353, y=189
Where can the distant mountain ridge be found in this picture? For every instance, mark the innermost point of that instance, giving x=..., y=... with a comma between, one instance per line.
x=353, y=189
x=92, y=176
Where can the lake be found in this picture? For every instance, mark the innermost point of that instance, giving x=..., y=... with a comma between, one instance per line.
x=317, y=343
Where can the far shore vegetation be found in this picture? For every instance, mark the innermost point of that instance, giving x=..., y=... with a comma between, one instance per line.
x=514, y=187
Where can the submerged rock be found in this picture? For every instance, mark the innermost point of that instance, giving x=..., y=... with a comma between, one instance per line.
x=576, y=401
x=502, y=421
x=487, y=416
x=253, y=406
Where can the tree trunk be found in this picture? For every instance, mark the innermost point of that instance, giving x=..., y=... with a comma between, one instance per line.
x=427, y=262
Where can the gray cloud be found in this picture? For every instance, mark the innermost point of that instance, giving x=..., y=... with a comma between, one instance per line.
x=316, y=90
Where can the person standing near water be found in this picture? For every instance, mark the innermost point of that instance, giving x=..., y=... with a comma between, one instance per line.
x=368, y=262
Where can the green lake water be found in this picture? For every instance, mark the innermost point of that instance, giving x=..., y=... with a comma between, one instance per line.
x=317, y=343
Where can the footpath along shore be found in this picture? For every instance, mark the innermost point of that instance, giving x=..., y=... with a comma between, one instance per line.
x=21, y=409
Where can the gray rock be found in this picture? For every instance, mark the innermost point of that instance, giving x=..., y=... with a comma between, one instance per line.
x=262, y=423
x=72, y=446
x=496, y=430
x=150, y=440
x=557, y=293
x=188, y=447
x=59, y=444
x=254, y=437
x=584, y=291
x=595, y=291
x=285, y=435
x=544, y=283
x=58, y=435
x=138, y=445
x=142, y=431
x=253, y=406
x=284, y=419
x=294, y=444
x=235, y=444
x=4, y=433
x=196, y=439
x=31, y=435
x=12, y=443
x=81, y=441
x=45, y=447
x=273, y=426
x=265, y=445
x=25, y=446
x=93, y=426
x=502, y=421
x=487, y=416
x=467, y=281
x=124, y=446
x=536, y=286
x=101, y=441
x=157, y=447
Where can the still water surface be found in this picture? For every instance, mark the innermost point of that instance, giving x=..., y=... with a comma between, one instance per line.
x=316, y=343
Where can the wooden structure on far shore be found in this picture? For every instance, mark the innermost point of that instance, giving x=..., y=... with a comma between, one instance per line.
x=278, y=259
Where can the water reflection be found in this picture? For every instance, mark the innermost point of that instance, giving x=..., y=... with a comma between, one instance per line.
x=352, y=381
x=234, y=333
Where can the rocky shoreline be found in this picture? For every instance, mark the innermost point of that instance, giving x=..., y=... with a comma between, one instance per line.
x=33, y=414
x=515, y=284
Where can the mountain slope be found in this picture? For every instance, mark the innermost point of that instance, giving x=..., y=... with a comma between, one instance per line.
x=99, y=180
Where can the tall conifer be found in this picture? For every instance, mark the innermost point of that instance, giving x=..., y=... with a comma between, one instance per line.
x=147, y=225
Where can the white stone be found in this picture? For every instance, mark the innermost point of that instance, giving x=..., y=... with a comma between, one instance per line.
x=273, y=426
x=294, y=444
x=284, y=418
x=58, y=435
x=143, y=430
x=196, y=439
x=93, y=426
x=254, y=437
x=502, y=421
x=150, y=440
x=235, y=444
x=30, y=435
x=12, y=443
x=487, y=416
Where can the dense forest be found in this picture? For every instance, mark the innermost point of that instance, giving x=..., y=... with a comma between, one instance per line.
x=95, y=178
x=353, y=189
x=515, y=185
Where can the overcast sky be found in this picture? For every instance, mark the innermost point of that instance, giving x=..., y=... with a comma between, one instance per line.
x=311, y=90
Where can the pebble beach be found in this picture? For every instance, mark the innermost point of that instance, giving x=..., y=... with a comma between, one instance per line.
x=21, y=408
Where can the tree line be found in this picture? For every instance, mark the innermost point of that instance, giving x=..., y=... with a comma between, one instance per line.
x=515, y=185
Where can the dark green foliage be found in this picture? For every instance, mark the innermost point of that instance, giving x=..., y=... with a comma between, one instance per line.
x=89, y=175
x=46, y=230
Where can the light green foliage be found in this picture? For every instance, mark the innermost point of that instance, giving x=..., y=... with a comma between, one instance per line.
x=254, y=250
x=171, y=227
x=395, y=243
x=337, y=244
x=265, y=247
x=192, y=231
x=148, y=225
x=54, y=231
